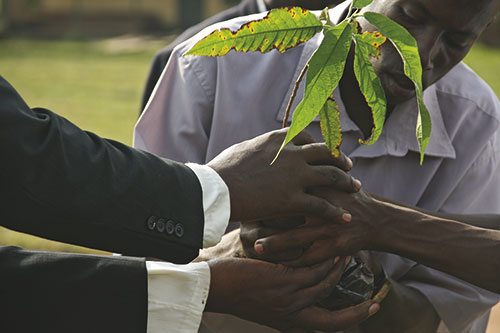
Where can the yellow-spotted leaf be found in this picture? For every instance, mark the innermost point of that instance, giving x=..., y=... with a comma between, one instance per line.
x=408, y=49
x=281, y=29
x=368, y=44
x=330, y=126
x=373, y=41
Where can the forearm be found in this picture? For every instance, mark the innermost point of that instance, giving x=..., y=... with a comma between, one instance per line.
x=488, y=221
x=470, y=253
x=403, y=310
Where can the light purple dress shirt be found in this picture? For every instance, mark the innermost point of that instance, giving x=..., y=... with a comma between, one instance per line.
x=202, y=105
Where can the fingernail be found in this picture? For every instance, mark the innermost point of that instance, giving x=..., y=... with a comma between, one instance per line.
x=336, y=260
x=259, y=248
x=347, y=260
x=347, y=217
x=373, y=309
x=357, y=184
x=349, y=163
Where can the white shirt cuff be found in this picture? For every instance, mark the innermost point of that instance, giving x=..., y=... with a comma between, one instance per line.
x=216, y=203
x=177, y=295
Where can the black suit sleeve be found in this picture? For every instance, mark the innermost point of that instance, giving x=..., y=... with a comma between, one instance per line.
x=61, y=293
x=65, y=184
x=246, y=7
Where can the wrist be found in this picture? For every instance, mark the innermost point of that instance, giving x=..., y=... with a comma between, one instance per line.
x=382, y=226
x=216, y=300
x=395, y=226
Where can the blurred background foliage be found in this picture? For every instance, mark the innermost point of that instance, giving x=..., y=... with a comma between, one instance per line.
x=95, y=18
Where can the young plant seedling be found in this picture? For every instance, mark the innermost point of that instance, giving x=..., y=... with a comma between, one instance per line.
x=285, y=28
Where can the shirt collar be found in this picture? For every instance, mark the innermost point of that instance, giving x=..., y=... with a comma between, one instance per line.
x=399, y=133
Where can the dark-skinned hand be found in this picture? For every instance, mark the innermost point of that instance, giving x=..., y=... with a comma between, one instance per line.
x=251, y=232
x=281, y=297
x=319, y=239
x=259, y=190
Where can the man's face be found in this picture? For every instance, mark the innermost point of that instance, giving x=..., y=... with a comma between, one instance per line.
x=445, y=31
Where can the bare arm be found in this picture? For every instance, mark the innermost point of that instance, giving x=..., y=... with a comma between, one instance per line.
x=488, y=221
x=468, y=252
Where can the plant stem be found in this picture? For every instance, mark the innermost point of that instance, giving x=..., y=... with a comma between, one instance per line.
x=349, y=14
x=294, y=93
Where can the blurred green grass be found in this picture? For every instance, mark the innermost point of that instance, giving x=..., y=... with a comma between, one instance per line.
x=485, y=61
x=98, y=86
x=95, y=87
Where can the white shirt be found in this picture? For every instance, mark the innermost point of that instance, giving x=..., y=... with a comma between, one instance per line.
x=177, y=294
x=202, y=105
x=261, y=6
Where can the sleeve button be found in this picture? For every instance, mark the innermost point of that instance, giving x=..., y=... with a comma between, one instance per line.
x=170, y=227
x=152, y=222
x=160, y=225
x=179, y=230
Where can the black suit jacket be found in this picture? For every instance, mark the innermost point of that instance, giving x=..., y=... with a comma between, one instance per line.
x=65, y=184
x=245, y=7
x=62, y=293
x=61, y=183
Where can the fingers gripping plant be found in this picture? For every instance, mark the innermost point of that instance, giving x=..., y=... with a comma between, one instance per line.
x=285, y=28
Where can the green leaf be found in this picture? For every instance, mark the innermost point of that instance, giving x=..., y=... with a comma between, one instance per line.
x=372, y=41
x=326, y=67
x=368, y=44
x=281, y=29
x=361, y=3
x=408, y=49
x=329, y=117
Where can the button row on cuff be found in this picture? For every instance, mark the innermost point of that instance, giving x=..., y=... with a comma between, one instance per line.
x=165, y=226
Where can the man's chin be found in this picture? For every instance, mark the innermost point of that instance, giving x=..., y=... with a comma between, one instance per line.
x=397, y=90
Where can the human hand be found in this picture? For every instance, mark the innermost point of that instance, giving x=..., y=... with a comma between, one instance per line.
x=260, y=190
x=281, y=297
x=319, y=239
x=252, y=231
